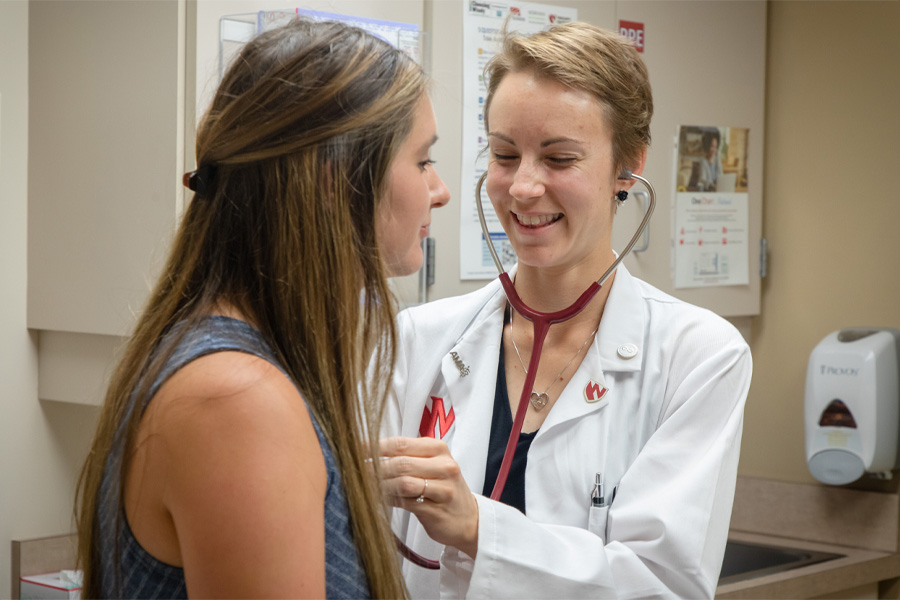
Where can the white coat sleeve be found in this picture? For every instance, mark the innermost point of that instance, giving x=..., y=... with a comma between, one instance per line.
x=399, y=390
x=392, y=419
x=668, y=525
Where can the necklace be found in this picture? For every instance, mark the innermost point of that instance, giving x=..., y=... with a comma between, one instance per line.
x=539, y=401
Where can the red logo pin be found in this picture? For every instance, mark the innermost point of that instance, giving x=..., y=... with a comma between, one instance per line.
x=436, y=422
x=593, y=392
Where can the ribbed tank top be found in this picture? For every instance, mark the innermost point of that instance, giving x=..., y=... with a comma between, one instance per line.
x=140, y=575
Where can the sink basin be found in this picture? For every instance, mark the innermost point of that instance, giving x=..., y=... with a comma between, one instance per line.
x=744, y=560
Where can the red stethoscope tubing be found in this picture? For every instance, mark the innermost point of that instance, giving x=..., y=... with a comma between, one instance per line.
x=541, y=322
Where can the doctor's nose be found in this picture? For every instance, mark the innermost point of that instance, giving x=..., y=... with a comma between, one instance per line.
x=527, y=183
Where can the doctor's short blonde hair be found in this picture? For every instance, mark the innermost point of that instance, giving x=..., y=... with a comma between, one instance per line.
x=597, y=61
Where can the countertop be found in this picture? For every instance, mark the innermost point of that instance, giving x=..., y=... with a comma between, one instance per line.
x=863, y=526
x=857, y=569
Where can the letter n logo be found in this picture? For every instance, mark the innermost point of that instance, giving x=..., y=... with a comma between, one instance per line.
x=593, y=392
x=436, y=422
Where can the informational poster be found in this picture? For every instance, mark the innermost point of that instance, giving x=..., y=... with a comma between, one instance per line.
x=237, y=30
x=404, y=36
x=482, y=23
x=711, y=209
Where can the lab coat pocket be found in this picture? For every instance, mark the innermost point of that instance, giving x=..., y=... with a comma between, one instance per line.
x=597, y=521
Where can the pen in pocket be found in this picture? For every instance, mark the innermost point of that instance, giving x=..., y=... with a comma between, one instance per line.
x=597, y=498
x=598, y=495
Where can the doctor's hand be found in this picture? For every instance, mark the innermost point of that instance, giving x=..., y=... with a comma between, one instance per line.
x=444, y=505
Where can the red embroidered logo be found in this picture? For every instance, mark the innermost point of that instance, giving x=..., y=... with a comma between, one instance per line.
x=593, y=392
x=436, y=417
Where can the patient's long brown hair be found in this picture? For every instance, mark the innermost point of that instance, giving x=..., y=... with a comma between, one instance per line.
x=299, y=137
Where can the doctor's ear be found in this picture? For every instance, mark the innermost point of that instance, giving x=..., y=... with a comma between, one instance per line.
x=624, y=179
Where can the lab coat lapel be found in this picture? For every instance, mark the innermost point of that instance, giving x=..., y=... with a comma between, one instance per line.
x=618, y=347
x=472, y=395
x=620, y=338
x=588, y=391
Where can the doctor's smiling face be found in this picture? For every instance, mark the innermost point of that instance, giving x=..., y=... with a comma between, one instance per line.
x=414, y=188
x=551, y=175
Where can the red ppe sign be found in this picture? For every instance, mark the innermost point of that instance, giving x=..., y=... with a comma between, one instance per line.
x=634, y=32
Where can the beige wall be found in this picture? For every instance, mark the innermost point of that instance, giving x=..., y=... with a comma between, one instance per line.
x=41, y=444
x=831, y=206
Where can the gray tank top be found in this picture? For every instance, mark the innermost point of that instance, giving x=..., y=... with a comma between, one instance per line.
x=140, y=575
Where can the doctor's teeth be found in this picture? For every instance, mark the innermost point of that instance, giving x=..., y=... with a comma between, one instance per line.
x=536, y=219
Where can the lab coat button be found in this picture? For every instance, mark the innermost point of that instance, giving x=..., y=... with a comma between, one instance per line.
x=628, y=351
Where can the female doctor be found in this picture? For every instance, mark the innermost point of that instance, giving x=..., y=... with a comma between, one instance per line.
x=640, y=389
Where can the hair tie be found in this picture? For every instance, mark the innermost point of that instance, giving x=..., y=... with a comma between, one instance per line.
x=200, y=181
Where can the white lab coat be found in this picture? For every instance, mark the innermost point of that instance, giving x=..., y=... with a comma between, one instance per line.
x=667, y=431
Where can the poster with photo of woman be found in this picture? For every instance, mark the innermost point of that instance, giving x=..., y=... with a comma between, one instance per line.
x=710, y=216
x=712, y=159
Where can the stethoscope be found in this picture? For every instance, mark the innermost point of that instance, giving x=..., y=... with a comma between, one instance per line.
x=541, y=322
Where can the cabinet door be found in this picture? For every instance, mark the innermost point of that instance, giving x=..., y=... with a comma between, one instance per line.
x=707, y=64
x=106, y=95
x=107, y=92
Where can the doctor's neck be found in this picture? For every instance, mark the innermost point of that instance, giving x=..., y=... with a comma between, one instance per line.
x=551, y=289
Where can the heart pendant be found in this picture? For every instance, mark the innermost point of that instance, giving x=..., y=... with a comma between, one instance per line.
x=539, y=401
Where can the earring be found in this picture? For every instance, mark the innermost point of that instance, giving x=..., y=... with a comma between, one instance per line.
x=622, y=195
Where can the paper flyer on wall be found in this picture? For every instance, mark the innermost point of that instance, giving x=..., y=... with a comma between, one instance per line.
x=711, y=209
x=482, y=22
x=404, y=36
x=236, y=30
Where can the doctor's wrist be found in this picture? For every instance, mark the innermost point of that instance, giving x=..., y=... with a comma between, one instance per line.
x=469, y=543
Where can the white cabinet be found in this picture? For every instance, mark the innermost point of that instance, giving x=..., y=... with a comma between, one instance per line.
x=707, y=64
x=107, y=92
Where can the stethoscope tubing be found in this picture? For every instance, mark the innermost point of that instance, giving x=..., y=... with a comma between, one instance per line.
x=541, y=323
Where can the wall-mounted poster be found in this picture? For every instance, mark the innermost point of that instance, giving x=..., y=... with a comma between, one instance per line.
x=710, y=237
x=482, y=22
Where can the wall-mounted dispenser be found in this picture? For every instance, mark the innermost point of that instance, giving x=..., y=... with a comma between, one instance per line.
x=852, y=408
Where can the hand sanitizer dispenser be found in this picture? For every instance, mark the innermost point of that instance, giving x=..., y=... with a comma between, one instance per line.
x=852, y=408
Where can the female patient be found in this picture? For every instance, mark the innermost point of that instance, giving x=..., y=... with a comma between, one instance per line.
x=230, y=455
